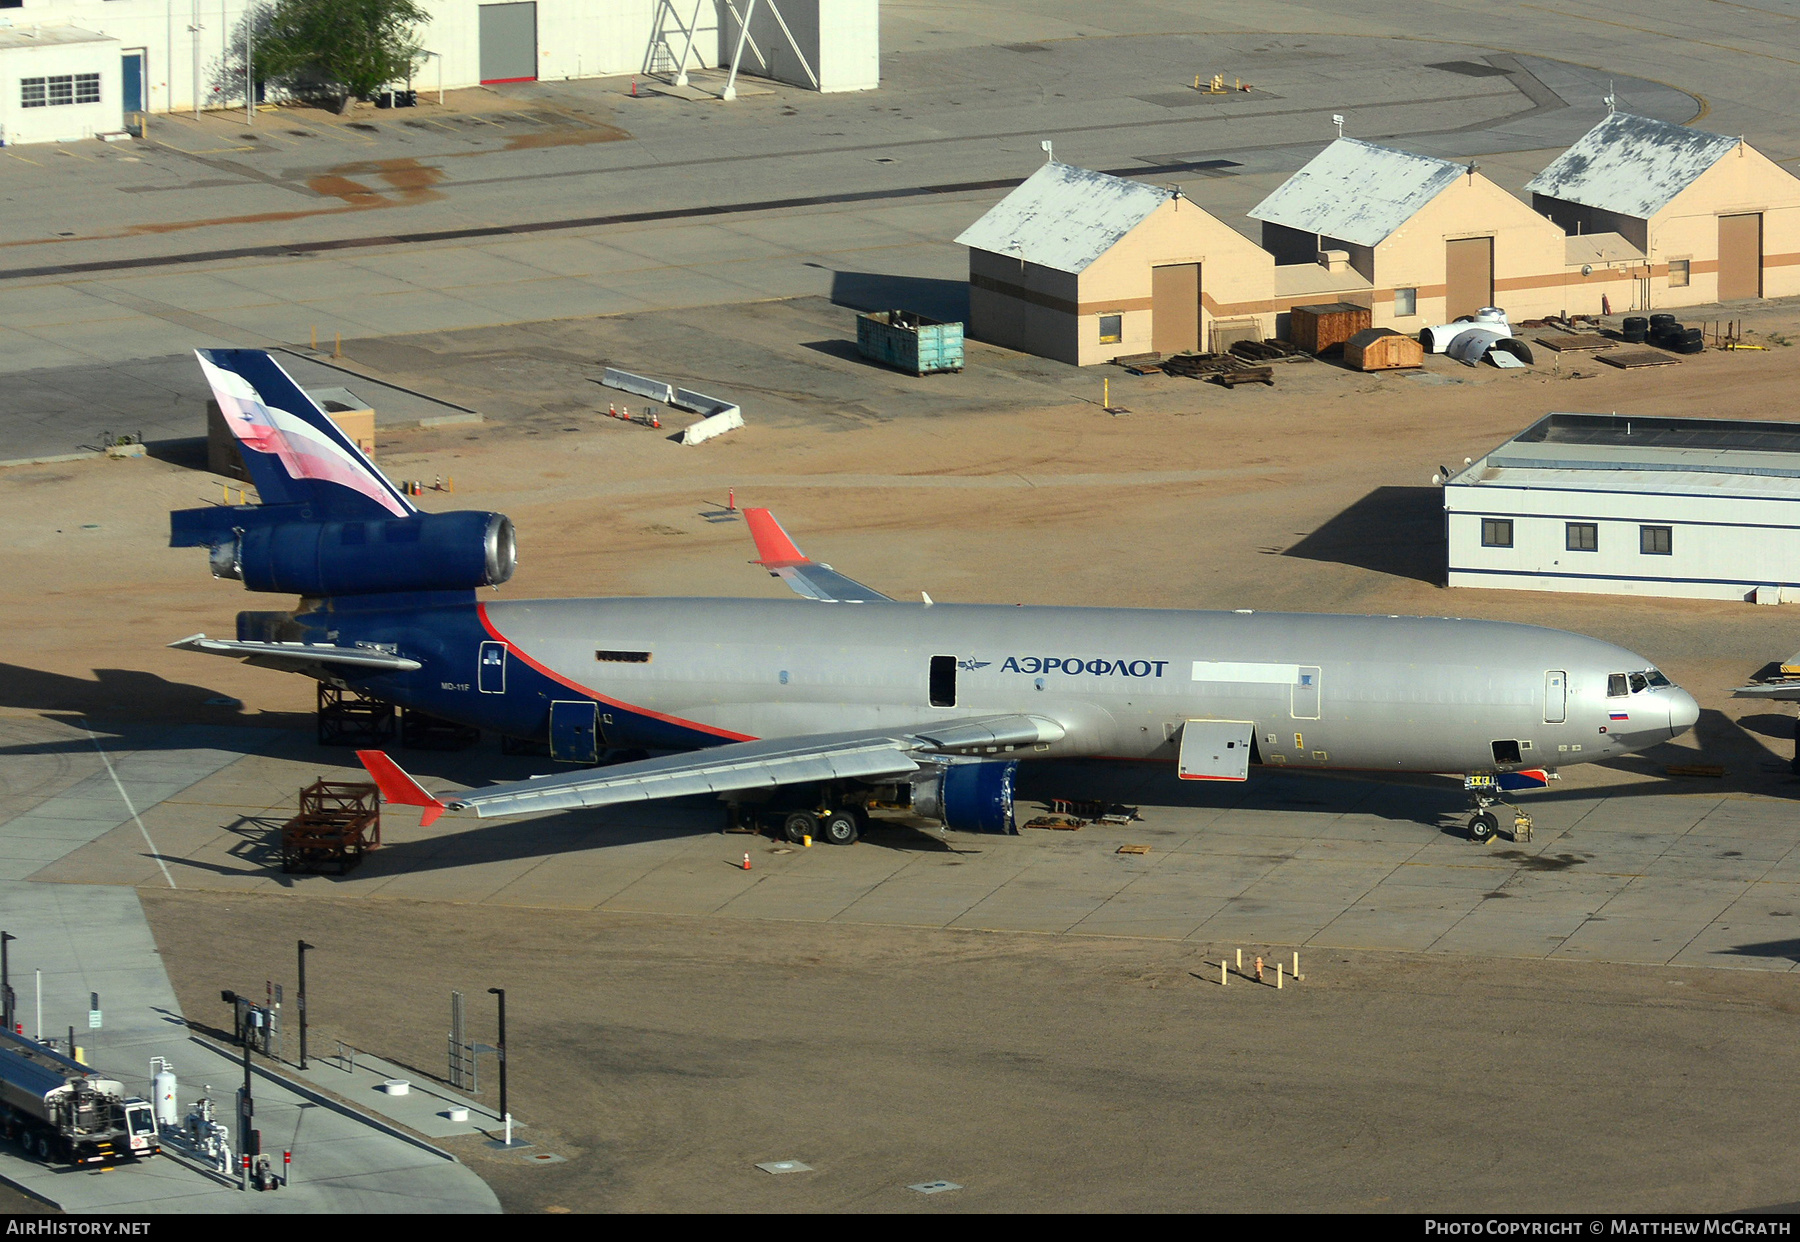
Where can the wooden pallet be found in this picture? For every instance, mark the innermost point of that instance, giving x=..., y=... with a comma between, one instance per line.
x=1140, y=364
x=1574, y=342
x=1632, y=359
x=1245, y=375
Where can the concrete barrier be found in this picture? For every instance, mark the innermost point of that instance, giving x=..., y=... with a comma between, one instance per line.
x=729, y=419
x=642, y=385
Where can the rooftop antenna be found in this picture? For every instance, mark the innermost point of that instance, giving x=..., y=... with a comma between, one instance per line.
x=1611, y=100
x=1049, y=152
x=1339, y=122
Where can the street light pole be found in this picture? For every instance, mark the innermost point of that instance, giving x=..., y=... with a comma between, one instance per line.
x=303, y=948
x=6, y=992
x=505, y=1113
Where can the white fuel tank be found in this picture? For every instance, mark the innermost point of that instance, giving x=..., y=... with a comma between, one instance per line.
x=162, y=1095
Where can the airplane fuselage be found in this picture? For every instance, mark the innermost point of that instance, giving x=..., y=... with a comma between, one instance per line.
x=1324, y=691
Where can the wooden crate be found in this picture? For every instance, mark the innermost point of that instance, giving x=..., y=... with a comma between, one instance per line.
x=1320, y=327
x=1383, y=349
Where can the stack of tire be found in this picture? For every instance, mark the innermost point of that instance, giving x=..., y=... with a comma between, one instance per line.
x=1635, y=329
x=1666, y=333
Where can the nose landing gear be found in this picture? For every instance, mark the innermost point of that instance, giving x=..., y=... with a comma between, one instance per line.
x=1484, y=792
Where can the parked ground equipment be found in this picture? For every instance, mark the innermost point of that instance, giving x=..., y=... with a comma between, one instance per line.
x=62, y=1112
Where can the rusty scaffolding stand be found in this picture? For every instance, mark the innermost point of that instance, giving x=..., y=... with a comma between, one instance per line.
x=338, y=823
x=347, y=718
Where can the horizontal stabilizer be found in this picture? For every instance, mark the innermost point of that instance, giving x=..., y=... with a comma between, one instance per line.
x=778, y=554
x=1781, y=690
x=398, y=788
x=300, y=657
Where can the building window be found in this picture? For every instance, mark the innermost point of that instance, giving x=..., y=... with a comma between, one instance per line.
x=1496, y=532
x=1406, y=302
x=1656, y=540
x=64, y=89
x=1583, y=537
x=1678, y=273
x=1112, y=329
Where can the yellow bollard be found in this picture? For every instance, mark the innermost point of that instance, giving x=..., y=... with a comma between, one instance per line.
x=1106, y=393
x=313, y=328
x=806, y=842
x=224, y=494
x=1278, y=966
x=1224, y=979
x=1296, y=963
x=337, y=344
x=1240, y=959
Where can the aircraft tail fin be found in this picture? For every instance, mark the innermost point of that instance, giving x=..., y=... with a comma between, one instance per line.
x=293, y=451
x=399, y=788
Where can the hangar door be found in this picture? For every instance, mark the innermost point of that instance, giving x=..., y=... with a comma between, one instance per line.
x=509, y=42
x=1468, y=275
x=1175, y=308
x=1740, y=257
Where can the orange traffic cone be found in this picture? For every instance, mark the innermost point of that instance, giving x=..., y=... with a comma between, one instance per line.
x=746, y=862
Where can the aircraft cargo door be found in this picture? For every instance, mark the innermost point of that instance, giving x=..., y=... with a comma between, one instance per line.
x=509, y=51
x=574, y=731
x=1215, y=750
x=1556, y=696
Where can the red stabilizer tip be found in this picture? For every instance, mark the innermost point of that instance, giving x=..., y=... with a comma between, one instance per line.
x=399, y=788
x=772, y=542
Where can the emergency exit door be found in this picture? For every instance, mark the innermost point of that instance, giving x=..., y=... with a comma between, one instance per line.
x=1556, y=696
x=490, y=668
x=575, y=731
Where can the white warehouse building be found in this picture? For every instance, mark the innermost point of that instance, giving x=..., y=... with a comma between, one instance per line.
x=1693, y=508
x=166, y=55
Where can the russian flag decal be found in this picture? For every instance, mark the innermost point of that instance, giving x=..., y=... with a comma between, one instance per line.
x=1618, y=716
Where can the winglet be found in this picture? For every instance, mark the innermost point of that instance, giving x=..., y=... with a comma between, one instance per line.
x=772, y=542
x=397, y=787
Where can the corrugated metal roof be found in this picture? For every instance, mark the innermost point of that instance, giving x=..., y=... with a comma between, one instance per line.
x=1357, y=191
x=1599, y=248
x=1064, y=217
x=1631, y=165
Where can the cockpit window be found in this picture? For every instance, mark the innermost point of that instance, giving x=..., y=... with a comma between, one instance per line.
x=1639, y=683
x=1616, y=687
x=1657, y=679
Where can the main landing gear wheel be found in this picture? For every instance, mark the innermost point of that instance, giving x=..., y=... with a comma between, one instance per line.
x=800, y=825
x=1482, y=827
x=841, y=828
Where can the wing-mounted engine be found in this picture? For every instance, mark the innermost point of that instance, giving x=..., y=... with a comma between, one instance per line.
x=975, y=796
x=418, y=552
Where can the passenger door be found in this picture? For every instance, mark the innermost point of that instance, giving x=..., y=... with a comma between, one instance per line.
x=1306, y=693
x=1215, y=750
x=1556, y=696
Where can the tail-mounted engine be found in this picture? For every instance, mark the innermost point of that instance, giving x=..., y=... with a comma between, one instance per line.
x=273, y=548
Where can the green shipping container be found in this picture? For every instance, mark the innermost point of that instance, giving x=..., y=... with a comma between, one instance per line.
x=909, y=342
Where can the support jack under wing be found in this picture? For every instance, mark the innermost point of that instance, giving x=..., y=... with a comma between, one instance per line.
x=762, y=764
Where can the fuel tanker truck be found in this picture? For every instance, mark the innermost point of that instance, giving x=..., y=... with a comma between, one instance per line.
x=62, y=1112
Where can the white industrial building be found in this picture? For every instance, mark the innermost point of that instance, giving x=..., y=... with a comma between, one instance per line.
x=1694, y=508
x=174, y=55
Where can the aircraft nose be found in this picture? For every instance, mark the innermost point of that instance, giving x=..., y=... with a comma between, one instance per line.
x=1684, y=712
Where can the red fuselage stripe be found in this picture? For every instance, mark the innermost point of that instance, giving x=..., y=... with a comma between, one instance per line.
x=488, y=625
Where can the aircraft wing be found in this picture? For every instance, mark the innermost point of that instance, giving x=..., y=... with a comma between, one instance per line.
x=300, y=657
x=760, y=764
x=806, y=577
x=1786, y=689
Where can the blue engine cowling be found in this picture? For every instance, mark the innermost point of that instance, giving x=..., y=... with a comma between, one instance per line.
x=422, y=552
x=969, y=797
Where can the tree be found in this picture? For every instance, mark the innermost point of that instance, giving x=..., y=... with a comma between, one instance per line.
x=345, y=48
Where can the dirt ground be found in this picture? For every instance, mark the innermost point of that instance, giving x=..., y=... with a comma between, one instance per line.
x=664, y=1058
